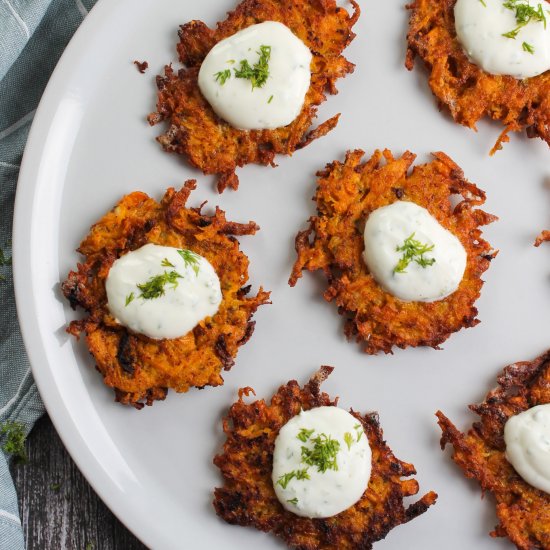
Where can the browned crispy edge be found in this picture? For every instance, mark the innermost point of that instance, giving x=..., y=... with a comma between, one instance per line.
x=467, y=91
x=214, y=146
x=138, y=368
x=543, y=237
x=346, y=194
x=523, y=511
x=247, y=496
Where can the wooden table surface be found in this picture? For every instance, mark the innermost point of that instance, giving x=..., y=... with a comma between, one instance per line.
x=58, y=508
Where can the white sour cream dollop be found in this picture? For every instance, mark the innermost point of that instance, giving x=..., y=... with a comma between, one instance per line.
x=387, y=229
x=527, y=437
x=196, y=296
x=480, y=27
x=327, y=493
x=279, y=101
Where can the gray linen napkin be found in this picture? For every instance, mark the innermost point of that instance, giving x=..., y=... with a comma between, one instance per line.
x=33, y=34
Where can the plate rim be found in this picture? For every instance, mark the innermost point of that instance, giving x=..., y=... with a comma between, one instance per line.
x=64, y=424
x=68, y=427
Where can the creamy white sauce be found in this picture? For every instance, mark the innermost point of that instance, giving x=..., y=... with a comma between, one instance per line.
x=327, y=493
x=196, y=296
x=387, y=228
x=527, y=437
x=480, y=28
x=279, y=101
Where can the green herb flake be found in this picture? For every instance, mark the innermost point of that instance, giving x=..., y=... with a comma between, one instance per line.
x=191, y=259
x=304, y=434
x=511, y=34
x=259, y=72
x=348, y=438
x=323, y=454
x=55, y=487
x=12, y=435
x=302, y=474
x=270, y=99
x=222, y=76
x=359, y=429
x=413, y=250
x=528, y=48
x=155, y=286
x=293, y=501
x=285, y=479
x=524, y=13
x=483, y=2
x=166, y=263
x=129, y=299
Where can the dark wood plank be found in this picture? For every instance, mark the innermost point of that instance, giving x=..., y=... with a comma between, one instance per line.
x=59, y=510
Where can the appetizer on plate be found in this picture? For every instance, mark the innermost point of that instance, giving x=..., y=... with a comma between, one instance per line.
x=251, y=87
x=312, y=473
x=164, y=289
x=486, y=58
x=402, y=253
x=508, y=451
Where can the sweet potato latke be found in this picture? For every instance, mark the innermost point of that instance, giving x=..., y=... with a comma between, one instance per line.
x=468, y=91
x=211, y=144
x=141, y=369
x=346, y=194
x=248, y=497
x=523, y=511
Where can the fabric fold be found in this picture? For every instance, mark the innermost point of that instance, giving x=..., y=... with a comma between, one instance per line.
x=18, y=21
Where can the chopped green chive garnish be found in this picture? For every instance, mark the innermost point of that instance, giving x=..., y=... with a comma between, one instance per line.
x=348, y=438
x=191, y=259
x=259, y=72
x=323, y=454
x=304, y=434
x=155, y=286
x=524, y=13
x=285, y=479
x=413, y=250
x=222, y=76
x=129, y=298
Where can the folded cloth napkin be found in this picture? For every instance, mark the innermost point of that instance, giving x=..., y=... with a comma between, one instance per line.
x=33, y=34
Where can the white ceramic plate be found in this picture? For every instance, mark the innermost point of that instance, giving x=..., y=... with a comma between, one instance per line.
x=90, y=144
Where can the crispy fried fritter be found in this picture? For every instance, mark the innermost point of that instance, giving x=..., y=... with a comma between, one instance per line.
x=465, y=89
x=346, y=194
x=141, y=369
x=523, y=510
x=248, y=498
x=210, y=143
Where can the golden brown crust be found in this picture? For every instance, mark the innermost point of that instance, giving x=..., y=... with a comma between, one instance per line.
x=464, y=88
x=543, y=237
x=523, y=511
x=346, y=194
x=211, y=144
x=248, y=498
x=141, y=369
